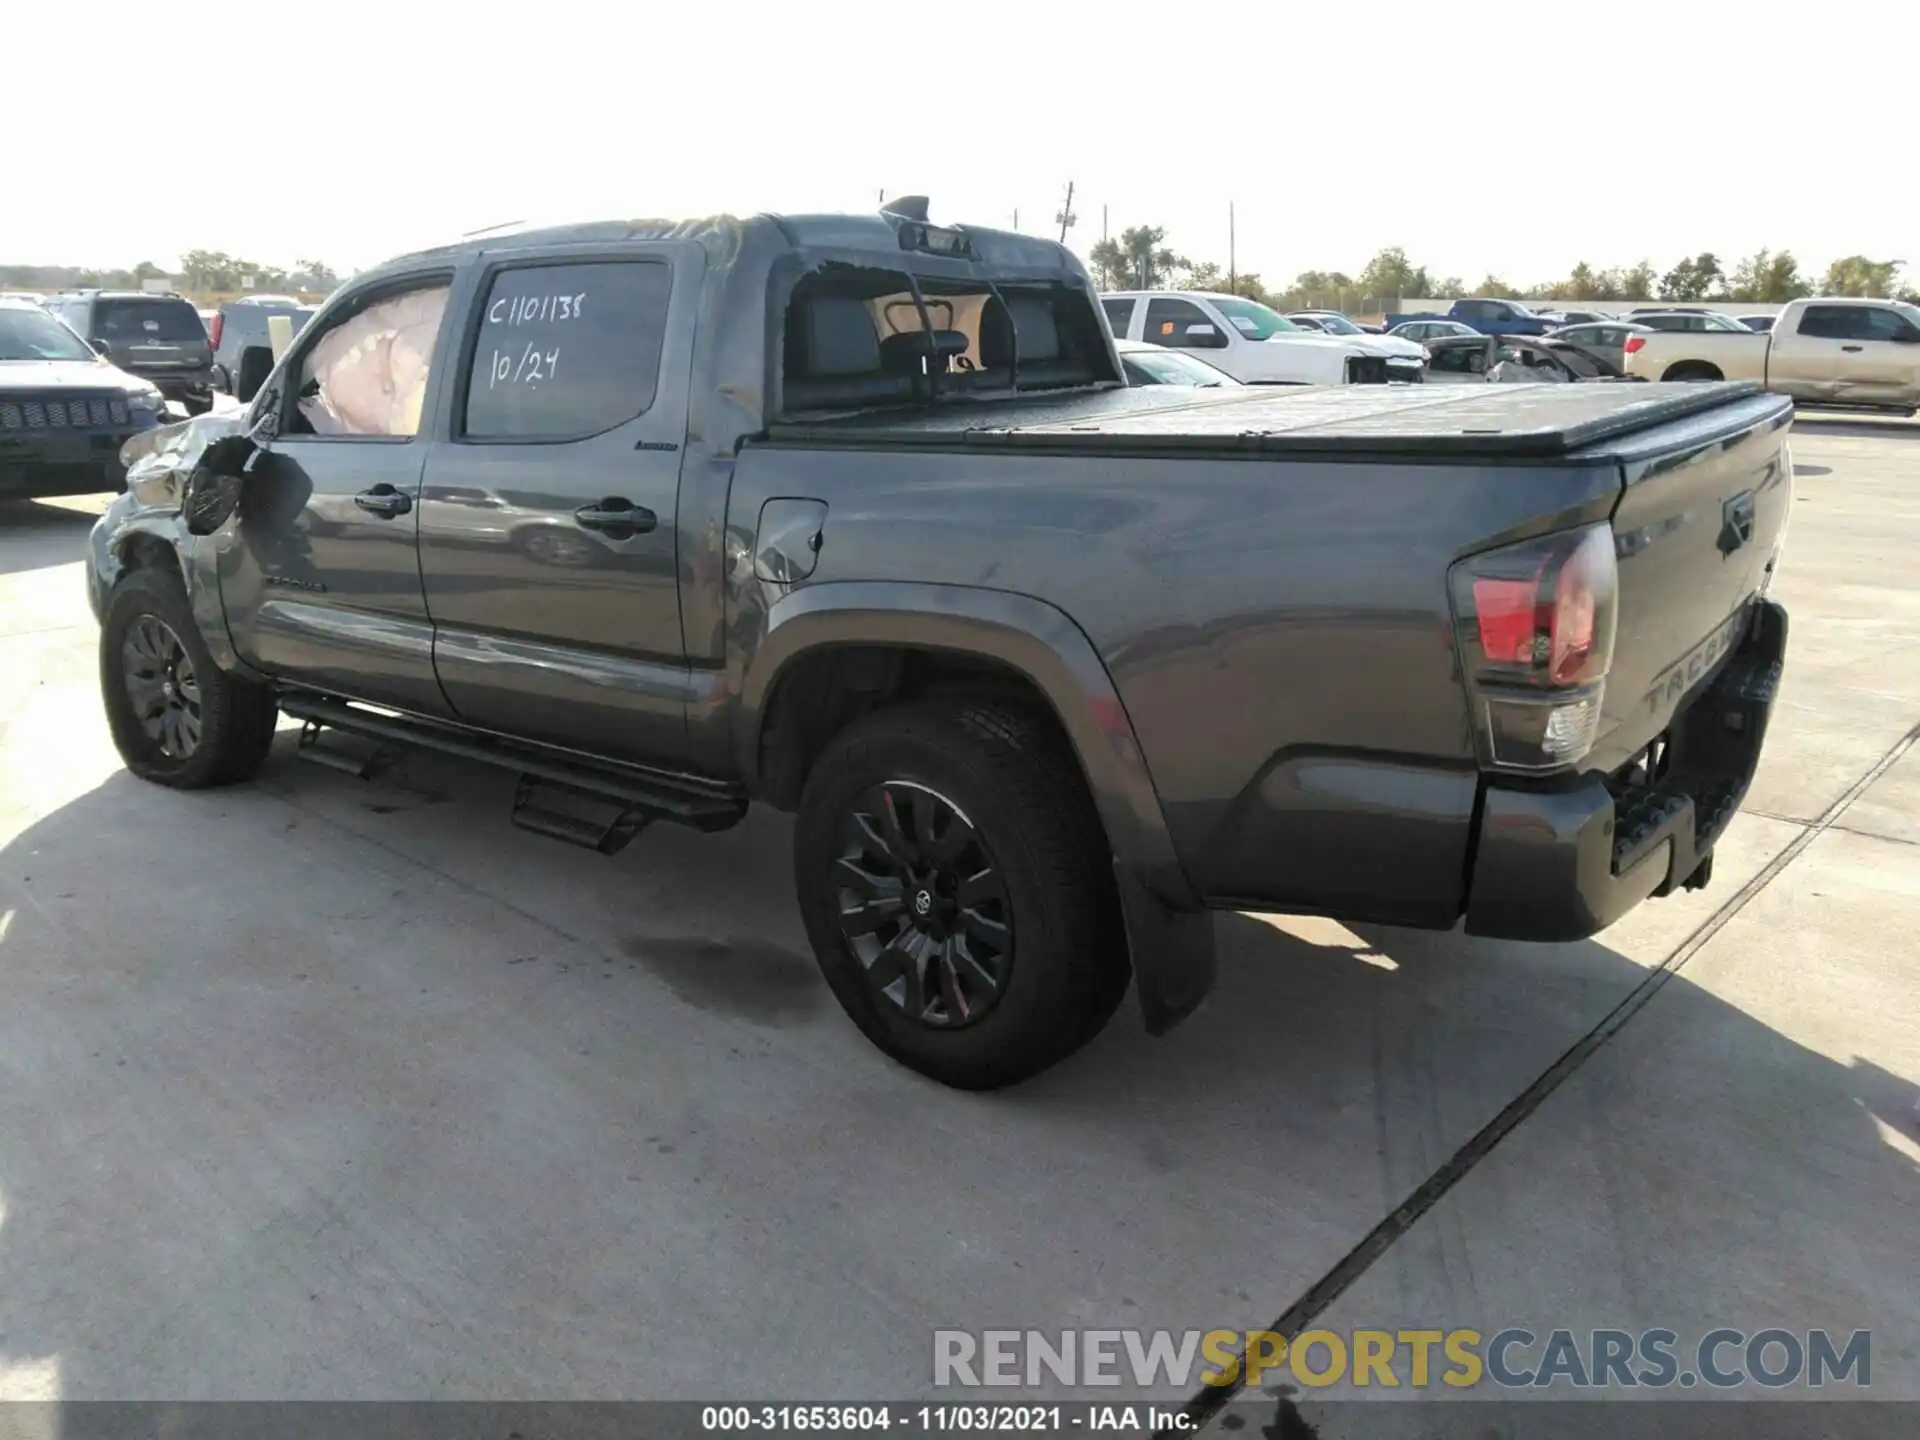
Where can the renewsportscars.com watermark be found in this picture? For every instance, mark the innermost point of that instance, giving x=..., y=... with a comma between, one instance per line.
x=1514, y=1358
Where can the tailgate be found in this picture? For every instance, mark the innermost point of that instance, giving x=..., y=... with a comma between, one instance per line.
x=1701, y=516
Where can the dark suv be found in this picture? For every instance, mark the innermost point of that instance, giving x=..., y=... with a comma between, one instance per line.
x=157, y=337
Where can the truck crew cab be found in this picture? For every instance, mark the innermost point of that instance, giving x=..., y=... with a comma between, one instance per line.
x=856, y=517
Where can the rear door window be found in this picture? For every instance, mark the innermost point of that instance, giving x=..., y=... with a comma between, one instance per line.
x=147, y=322
x=1168, y=319
x=567, y=351
x=1826, y=322
x=1119, y=316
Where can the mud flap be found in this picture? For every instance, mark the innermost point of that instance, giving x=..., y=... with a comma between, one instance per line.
x=1174, y=963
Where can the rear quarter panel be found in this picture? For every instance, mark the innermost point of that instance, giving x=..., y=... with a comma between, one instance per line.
x=1737, y=357
x=1278, y=631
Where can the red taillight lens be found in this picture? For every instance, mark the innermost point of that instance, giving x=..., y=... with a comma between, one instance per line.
x=1508, y=614
x=1536, y=624
x=1634, y=343
x=213, y=332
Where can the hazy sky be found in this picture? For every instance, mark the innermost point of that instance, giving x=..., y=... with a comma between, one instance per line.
x=1517, y=138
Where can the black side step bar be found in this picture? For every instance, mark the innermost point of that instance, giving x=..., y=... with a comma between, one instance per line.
x=554, y=787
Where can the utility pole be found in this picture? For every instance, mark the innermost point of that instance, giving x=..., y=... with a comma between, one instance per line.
x=1233, y=274
x=1066, y=217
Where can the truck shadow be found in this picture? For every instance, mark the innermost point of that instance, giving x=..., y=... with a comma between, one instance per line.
x=1231, y=1162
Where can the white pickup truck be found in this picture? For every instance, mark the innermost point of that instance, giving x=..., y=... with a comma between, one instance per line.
x=1855, y=354
x=1255, y=344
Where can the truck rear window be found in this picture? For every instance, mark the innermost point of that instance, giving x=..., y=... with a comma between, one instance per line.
x=169, y=321
x=856, y=337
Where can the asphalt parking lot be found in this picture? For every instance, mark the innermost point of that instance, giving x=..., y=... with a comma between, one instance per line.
x=341, y=1090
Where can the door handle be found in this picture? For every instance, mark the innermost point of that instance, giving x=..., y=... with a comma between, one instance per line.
x=616, y=518
x=1851, y=349
x=385, y=501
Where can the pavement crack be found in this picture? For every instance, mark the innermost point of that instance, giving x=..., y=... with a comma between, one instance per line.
x=1203, y=1408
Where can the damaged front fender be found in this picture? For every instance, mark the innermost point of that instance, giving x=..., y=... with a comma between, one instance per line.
x=192, y=469
x=183, y=484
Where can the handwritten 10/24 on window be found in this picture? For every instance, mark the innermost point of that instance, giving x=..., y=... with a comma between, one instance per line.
x=531, y=364
x=567, y=351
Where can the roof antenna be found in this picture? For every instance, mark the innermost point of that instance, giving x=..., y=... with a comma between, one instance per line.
x=489, y=229
x=907, y=207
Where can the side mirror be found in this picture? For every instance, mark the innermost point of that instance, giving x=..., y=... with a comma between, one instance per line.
x=1202, y=336
x=212, y=491
x=99, y=346
x=1906, y=337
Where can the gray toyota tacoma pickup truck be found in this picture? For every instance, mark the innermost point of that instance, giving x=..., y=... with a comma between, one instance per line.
x=856, y=517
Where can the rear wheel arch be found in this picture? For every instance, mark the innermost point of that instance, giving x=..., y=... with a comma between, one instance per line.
x=1692, y=370
x=886, y=643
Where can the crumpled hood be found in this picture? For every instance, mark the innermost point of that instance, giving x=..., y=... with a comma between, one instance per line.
x=69, y=375
x=1379, y=345
x=1388, y=345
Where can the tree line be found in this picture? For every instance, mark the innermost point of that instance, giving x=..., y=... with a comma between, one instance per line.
x=1141, y=259
x=207, y=271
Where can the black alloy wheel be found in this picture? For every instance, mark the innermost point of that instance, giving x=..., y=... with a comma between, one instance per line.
x=162, y=686
x=923, y=905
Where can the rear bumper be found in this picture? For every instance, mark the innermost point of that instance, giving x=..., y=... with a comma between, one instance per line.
x=1562, y=864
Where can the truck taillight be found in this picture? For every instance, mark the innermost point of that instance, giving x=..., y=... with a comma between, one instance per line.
x=213, y=331
x=1635, y=343
x=1535, y=624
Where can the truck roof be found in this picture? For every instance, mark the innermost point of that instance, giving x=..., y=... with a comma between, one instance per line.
x=877, y=234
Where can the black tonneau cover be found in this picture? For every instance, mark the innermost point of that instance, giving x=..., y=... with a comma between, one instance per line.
x=1539, y=422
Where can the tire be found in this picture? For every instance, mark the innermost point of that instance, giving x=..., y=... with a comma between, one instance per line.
x=1021, y=937
x=210, y=727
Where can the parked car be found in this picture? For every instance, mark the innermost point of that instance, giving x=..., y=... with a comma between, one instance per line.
x=1254, y=343
x=1762, y=323
x=888, y=543
x=157, y=337
x=1498, y=317
x=1334, y=323
x=1691, y=321
x=1860, y=354
x=1424, y=330
x=1583, y=317
x=1146, y=364
x=64, y=410
x=1604, y=340
x=242, y=344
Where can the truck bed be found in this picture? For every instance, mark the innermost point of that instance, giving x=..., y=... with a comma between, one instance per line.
x=1519, y=422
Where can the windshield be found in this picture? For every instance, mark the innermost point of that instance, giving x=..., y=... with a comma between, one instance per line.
x=1338, y=324
x=1722, y=322
x=173, y=322
x=1252, y=319
x=1169, y=367
x=1912, y=312
x=36, y=335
